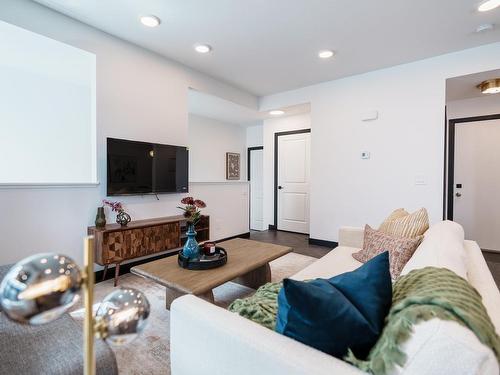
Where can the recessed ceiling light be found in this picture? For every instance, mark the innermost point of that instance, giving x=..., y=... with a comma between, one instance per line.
x=150, y=21
x=277, y=112
x=488, y=5
x=202, y=48
x=490, y=86
x=325, y=54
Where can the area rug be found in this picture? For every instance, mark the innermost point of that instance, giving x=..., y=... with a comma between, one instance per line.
x=149, y=354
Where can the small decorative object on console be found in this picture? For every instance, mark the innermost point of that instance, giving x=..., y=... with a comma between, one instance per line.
x=122, y=217
x=192, y=213
x=100, y=219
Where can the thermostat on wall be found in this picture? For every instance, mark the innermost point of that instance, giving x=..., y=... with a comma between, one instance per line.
x=369, y=116
x=365, y=155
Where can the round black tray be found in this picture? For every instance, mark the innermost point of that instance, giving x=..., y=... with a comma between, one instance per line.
x=204, y=263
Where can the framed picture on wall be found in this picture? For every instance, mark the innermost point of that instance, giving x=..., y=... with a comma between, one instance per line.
x=232, y=166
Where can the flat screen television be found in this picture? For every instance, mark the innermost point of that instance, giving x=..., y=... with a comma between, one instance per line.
x=136, y=168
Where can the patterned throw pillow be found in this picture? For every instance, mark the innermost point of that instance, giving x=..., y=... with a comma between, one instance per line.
x=400, y=249
x=408, y=226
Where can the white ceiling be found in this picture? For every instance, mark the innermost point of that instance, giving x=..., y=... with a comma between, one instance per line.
x=216, y=108
x=268, y=46
x=465, y=87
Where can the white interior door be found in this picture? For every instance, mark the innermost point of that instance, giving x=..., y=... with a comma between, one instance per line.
x=256, y=190
x=293, y=182
x=476, y=205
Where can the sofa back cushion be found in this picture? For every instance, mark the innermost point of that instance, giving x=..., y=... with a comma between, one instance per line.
x=443, y=246
x=337, y=314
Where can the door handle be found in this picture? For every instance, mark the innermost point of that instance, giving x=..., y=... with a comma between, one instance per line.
x=458, y=195
x=280, y=187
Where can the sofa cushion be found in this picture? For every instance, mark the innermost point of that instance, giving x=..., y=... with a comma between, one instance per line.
x=442, y=246
x=400, y=249
x=337, y=314
x=408, y=226
x=337, y=261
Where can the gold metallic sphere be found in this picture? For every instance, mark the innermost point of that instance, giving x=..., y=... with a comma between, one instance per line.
x=40, y=288
x=123, y=315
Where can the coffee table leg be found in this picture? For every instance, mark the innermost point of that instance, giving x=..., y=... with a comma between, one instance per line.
x=255, y=278
x=171, y=295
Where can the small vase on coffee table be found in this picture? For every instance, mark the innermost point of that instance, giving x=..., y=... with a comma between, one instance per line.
x=191, y=250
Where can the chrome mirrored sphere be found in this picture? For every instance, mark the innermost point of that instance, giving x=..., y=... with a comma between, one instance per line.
x=40, y=288
x=124, y=315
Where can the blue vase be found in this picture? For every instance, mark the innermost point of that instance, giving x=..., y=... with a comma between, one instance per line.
x=191, y=249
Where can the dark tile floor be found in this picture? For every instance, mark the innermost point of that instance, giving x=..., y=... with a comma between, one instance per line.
x=300, y=244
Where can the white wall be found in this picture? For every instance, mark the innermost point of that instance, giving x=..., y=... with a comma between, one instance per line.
x=406, y=142
x=271, y=127
x=255, y=136
x=227, y=201
x=140, y=96
x=227, y=205
x=481, y=106
x=209, y=140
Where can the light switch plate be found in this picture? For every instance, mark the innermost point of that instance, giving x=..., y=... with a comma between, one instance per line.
x=420, y=180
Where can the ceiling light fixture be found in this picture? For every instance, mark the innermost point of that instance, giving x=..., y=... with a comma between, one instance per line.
x=276, y=112
x=488, y=5
x=485, y=27
x=490, y=86
x=202, y=48
x=325, y=54
x=150, y=21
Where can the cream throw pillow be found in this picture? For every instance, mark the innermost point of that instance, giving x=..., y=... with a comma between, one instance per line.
x=396, y=214
x=402, y=224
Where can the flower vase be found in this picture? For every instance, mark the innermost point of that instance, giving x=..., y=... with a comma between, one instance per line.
x=123, y=218
x=100, y=218
x=191, y=250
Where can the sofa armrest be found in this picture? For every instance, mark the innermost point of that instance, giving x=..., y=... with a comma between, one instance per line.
x=206, y=339
x=479, y=275
x=351, y=237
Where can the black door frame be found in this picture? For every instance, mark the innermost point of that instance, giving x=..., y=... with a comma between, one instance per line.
x=449, y=189
x=249, y=150
x=276, y=138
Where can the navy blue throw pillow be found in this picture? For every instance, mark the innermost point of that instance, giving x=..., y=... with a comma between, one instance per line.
x=344, y=312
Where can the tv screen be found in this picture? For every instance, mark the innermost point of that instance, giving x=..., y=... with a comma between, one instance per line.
x=146, y=168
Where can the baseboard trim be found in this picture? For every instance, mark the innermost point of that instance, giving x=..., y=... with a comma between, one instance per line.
x=242, y=235
x=125, y=268
x=331, y=244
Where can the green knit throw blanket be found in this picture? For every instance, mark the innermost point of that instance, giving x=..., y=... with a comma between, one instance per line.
x=418, y=296
x=262, y=307
x=421, y=295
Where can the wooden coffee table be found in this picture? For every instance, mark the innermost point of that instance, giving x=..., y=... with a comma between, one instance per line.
x=247, y=264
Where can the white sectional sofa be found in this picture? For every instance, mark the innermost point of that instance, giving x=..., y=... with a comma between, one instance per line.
x=206, y=339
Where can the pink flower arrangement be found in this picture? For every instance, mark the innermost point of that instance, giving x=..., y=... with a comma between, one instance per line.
x=192, y=208
x=115, y=206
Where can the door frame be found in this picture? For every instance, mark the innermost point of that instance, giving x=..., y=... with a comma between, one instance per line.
x=450, y=162
x=276, y=164
x=249, y=151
